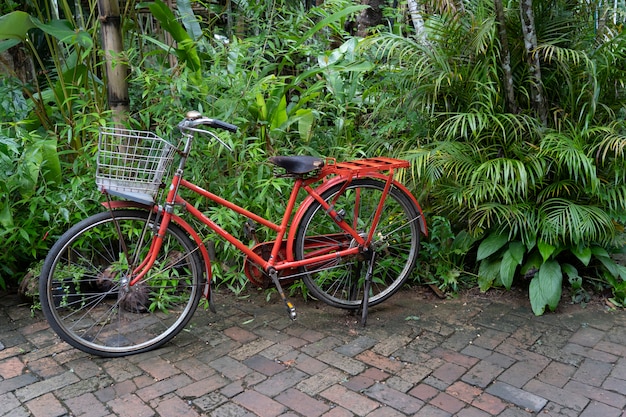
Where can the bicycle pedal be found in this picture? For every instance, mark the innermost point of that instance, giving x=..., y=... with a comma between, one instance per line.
x=249, y=229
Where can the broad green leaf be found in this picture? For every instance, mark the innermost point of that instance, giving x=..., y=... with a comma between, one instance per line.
x=574, y=279
x=189, y=19
x=6, y=218
x=508, y=266
x=491, y=245
x=583, y=255
x=487, y=273
x=8, y=44
x=545, y=249
x=15, y=25
x=279, y=114
x=306, y=117
x=63, y=31
x=545, y=288
x=517, y=250
x=52, y=164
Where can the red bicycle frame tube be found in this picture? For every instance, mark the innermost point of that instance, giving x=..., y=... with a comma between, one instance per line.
x=173, y=198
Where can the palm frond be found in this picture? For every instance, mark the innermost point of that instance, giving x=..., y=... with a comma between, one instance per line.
x=519, y=220
x=563, y=221
x=569, y=158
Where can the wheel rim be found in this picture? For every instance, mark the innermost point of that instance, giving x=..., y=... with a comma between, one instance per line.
x=89, y=298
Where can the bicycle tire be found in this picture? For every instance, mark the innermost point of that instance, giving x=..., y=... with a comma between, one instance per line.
x=340, y=282
x=82, y=290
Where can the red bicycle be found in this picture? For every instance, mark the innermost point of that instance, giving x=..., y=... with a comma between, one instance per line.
x=128, y=279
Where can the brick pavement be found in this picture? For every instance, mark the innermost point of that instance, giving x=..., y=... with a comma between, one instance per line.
x=418, y=356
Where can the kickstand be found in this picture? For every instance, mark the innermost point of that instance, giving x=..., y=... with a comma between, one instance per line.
x=366, y=289
x=291, y=310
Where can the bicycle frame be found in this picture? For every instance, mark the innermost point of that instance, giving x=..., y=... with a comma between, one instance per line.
x=285, y=231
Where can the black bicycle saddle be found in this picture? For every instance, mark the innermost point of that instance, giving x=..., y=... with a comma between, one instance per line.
x=297, y=164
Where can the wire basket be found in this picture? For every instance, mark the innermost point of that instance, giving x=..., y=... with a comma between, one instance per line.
x=132, y=161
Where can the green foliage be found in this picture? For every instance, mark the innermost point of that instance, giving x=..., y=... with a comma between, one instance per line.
x=536, y=196
x=442, y=256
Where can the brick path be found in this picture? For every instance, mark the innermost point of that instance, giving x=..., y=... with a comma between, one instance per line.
x=431, y=358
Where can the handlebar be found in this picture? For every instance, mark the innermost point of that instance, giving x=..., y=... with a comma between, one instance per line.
x=193, y=119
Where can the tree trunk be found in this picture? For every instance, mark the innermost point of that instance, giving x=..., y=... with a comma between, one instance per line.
x=417, y=19
x=505, y=56
x=530, y=44
x=116, y=66
x=370, y=17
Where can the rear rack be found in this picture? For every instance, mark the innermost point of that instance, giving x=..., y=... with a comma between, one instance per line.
x=359, y=167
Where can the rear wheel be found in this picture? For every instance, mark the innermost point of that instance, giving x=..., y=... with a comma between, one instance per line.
x=340, y=282
x=84, y=284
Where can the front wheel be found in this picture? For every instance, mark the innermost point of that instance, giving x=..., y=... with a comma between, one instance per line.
x=340, y=282
x=85, y=292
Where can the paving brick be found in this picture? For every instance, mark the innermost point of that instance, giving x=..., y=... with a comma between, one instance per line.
x=121, y=369
x=447, y=403
x=43, y=387
x=86, y=405
x=517, y=396
x=589, y=353
x=251, y=348
x=11, y=367
x=454, y=357
x=338, y=412
x=489, y=403
x=158, y=368
x=390, y=345
x=259, y=404
x=557, y=374
x=163, y=387
x=239, y=335
x=175, y=407
x=449, y=372
x=264, y=365
x=302, y=403
x=598, y=394
x=46, y=406
x=614, y=384
x=356, y=403
x=199, y=388
x=472, y=412
x=522, y=372
x=392, y=398
x=386, y=412
x=464, y=392
x=558, y=395
x=346, y=364
x=587, y=336
x=595, y=409
x=194, y=368
x=593, y=372
x=424, y=392
x=46, y=367
x=8, y=404
x=356, y=346
x=319, y=382
x=130, y=406
x=119, y=389
x=320, y=346
x=230, y=367
x=490, y=338
x=211, y=401
x=279, y=382
x=482, y=374
x=431, y=411
x=380, y=362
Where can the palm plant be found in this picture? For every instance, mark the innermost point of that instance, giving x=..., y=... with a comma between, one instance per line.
x=544, y=198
